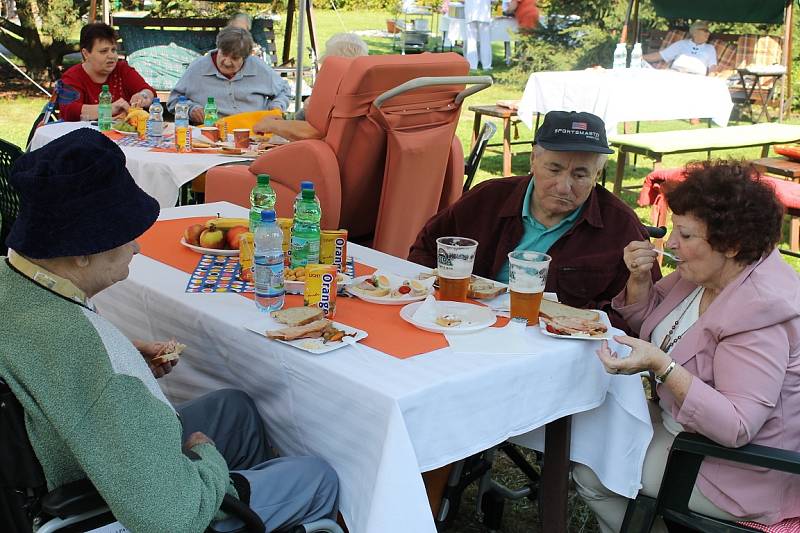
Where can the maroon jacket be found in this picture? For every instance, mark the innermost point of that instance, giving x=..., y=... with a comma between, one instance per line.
x=586, y=271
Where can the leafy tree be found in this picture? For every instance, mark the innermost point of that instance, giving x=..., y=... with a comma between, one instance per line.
x=42, y=37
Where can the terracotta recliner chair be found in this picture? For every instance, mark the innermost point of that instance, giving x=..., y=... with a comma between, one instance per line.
x=381, y=201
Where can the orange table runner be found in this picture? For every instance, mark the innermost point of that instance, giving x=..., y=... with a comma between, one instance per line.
x=387, y=331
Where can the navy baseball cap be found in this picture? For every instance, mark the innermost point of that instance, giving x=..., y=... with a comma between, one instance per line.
x=570, y=131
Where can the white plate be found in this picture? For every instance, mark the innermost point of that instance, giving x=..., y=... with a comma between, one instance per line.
x=315, y=346
x=603, y=319
x=298, y=287
x=474, y=317
x=382, y=300
x=210, y=251
x=128, y=133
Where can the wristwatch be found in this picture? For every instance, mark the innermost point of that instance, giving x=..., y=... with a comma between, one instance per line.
x=661, y=378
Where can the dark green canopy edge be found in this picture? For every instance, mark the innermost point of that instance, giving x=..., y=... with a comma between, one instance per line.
x=759, y=11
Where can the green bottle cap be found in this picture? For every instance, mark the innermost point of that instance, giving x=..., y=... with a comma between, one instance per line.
x=262, y=179
x=210, y=99
x=308, y=194
x=105, y=88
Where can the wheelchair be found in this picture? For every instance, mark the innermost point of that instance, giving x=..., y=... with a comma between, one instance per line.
x=26, y=506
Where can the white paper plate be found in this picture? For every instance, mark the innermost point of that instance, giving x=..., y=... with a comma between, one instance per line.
x=298, y=287
x=474, y=317
x=315, y=346
x=603, y=319
x=210, y=251
x=381, y=300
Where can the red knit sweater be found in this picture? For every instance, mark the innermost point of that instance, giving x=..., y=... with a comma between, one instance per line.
x=123, y=82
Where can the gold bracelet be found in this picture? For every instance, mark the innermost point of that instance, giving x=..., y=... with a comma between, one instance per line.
x=661, y=378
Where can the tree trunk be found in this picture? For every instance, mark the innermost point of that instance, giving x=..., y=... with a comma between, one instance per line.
x=30, y=41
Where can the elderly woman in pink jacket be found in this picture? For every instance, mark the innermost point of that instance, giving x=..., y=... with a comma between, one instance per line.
x=722, y=336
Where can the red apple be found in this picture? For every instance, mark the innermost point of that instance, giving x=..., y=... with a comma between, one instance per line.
x=212, y=238
x=232, y=236
x=192, y=234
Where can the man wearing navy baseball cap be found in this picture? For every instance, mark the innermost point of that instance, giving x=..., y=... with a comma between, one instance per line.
x=558, y=209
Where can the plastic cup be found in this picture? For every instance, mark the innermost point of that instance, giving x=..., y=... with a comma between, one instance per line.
x=210, y=132
x=241, y=138
x=527, y=276
x=454, y=259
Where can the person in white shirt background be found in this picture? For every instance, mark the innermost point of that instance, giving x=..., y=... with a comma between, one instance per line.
x=693, y=55
x=478, y=16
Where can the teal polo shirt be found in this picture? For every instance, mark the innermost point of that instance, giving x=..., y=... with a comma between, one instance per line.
x=536, y=237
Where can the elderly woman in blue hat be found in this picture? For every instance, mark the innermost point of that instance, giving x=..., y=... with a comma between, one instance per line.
x=92, y=405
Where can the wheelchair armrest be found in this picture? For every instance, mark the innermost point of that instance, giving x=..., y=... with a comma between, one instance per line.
x=686, y=456
x=71, y=499
x=751, y=454
x=243, y=512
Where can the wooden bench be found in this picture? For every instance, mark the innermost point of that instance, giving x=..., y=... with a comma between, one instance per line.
x=200, y=35
x=657, y=145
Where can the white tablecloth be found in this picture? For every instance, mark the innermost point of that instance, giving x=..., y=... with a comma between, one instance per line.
x=502, y=29
x=378, y=420
x=627, y=95
x=159, y=174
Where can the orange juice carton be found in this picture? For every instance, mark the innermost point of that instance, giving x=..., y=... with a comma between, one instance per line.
x=333, y=248
x=320, y=290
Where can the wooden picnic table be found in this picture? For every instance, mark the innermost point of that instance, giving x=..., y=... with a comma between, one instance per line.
x=506, y=114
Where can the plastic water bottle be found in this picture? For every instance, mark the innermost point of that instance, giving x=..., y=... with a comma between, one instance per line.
x=262, y=198
x=183, y=133
x=210, y=115
x=636, y=56
x=268, y=263
x=104, y=109
x=306, y=230
x=155, y=122
x=620, y=56
x=304, y=185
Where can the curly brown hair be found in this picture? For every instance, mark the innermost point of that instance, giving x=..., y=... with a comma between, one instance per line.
x=739, y=209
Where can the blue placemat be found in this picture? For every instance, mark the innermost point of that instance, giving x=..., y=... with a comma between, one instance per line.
x=217, y=273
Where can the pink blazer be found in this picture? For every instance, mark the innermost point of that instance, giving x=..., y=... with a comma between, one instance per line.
x=744, y=352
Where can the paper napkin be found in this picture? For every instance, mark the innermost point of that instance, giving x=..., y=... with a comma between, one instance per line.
x=512, y=339
x=427, y=311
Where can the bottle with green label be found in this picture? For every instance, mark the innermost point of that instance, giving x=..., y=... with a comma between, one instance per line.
x=210, y=115
x=104, y=109
x=306, y=230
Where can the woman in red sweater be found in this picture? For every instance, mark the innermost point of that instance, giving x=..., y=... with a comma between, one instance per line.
x=102, y=66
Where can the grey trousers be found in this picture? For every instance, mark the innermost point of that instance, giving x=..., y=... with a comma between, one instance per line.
x=284, y=492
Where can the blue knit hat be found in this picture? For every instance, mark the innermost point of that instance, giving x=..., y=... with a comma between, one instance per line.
x=77, y=198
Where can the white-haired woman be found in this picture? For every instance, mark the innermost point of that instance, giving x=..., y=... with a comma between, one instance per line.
x=238, y=81
x=339, y=45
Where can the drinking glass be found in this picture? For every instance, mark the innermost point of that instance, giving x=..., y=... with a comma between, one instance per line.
x=527, y=275
x=454, y=259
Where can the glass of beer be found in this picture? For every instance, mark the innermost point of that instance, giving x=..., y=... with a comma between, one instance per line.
x=454, y=259
x=527, y=274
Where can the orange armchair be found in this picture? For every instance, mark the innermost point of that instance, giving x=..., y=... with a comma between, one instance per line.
x=378, y=199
